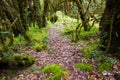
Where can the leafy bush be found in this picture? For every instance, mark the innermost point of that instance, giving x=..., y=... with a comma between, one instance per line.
x=56, y=70
x=104, y=67
x=82, y=66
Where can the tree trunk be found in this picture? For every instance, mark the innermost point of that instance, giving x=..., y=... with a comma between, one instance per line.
x=83, y=16
x=45, y=12
x=110, y=27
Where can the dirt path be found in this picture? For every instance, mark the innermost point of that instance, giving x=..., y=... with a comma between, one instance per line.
x=64, y=54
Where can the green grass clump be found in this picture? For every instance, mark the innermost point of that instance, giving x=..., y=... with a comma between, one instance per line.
x=104, y=67
x=56, y=70
x=83, y=66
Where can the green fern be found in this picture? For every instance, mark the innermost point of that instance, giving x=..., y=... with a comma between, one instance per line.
x=104, y=67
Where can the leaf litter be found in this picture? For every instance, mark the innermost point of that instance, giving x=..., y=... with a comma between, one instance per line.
x=66, y=55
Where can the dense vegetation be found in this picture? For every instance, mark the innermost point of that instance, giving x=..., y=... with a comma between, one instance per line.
x=25, y=26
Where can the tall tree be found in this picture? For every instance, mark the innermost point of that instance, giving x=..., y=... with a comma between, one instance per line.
x=110, y=27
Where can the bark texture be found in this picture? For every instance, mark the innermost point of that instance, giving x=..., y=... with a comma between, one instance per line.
x=110, y=27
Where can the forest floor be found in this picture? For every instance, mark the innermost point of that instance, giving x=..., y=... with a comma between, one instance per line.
x=61, y=52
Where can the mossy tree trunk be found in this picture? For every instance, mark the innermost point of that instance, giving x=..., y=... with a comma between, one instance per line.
x=110, y=27
x=83, y=16
x=17, y=15
x=45, y=12
x=38, y=13
x=23, y=5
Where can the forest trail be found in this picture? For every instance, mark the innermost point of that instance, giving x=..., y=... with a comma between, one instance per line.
x=62, y=52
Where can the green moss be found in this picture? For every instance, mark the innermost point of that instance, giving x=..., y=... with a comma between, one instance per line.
x=24, y=59
x=56, y=69
x=82, y=66
x=104, y=67
x=18, y=60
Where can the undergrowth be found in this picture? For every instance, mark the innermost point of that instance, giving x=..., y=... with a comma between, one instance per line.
x=104, y=67
x=75, y=36
x=39, y=39
x=57, y=71
x=17, y=60
x=83, y=66
x=91, y=50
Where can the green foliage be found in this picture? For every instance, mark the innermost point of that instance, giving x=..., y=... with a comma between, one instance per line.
x=6, y=51
x=35, y=68
x=42, y=5
x=50, y=51
x=4, y=32
x=19, y=40
x=53, y=18
x=91, y=54
x=103, y=58
x=91, y=78
x=83, y=66
x=87, y=34
x=9, y=75
x=94, y=53
x=39, y=47
x=104, y=67
x=55, y=69
x=91, y=49
x=76, y=34
x=17, y=60
x=64, y=19
x=39, y=38
x=24, y=59
x=6, y=54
